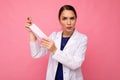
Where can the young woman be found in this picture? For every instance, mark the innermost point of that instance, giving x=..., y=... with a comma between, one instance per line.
x=67, y=47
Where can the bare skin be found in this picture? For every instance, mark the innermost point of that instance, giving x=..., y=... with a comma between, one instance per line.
x=27, y=24
x=68, y=21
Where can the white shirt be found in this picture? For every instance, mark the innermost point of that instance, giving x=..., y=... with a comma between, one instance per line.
x=71, y=57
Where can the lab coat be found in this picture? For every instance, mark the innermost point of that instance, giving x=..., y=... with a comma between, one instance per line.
x=71, y=57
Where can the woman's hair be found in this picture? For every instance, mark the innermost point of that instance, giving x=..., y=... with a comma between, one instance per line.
x=67, y=7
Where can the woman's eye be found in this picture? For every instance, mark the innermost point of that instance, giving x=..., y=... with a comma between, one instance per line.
x=72, y=18
x=64, y=18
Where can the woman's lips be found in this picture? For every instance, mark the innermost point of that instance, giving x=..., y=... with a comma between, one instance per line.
x=69, y=27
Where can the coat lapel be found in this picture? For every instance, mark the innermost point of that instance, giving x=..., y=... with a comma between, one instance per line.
x=58, y=39
x=70, y=41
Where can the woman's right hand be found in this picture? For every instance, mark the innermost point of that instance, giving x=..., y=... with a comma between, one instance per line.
x=28, y=23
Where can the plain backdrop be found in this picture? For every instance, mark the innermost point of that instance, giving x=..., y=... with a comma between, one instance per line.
x=98, y=19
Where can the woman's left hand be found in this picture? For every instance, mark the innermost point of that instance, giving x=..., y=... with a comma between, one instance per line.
x=49, y=44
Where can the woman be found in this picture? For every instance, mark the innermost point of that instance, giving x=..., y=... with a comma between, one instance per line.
x=67, y=47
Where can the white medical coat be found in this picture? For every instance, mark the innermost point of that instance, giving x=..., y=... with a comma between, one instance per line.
x=71, y=57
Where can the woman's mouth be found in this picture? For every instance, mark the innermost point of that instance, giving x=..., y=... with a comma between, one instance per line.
x=69, y=28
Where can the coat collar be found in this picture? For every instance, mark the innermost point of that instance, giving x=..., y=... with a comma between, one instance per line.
x=70, y=41
x=59, y=34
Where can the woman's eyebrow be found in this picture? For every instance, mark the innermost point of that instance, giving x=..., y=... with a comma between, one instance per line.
x=64, y=16
x=72, y=17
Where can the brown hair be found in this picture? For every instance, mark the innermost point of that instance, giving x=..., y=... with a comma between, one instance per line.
x=67, y=7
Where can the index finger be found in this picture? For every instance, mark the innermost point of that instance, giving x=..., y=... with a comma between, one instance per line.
x=46, y=39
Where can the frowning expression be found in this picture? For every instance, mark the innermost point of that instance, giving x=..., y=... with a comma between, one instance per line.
x=68, y=21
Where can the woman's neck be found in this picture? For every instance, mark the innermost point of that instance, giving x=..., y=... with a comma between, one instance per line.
x=67, y=34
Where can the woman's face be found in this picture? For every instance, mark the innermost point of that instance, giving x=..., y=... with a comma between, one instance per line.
x=68, y=21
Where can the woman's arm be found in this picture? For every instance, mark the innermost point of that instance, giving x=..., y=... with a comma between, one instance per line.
x=27, y=25
x=75, y=60
x=36, y=49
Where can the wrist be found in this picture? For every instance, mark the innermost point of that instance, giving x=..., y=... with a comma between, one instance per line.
x=54, y=50
x=32, y=36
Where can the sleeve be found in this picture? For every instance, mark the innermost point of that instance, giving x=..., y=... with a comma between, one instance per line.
x=72, y=61
x=37, y=50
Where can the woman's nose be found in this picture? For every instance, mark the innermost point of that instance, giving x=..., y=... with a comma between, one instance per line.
x=68, y=22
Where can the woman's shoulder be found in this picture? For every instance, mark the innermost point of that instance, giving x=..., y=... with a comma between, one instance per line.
x=81, y=35
x=55, y=34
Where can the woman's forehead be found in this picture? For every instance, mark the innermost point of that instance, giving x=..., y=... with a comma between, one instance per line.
x=67, y=13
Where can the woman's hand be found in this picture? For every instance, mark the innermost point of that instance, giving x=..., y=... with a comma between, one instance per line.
x=49, y=44
x=28, y=23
